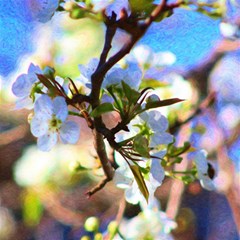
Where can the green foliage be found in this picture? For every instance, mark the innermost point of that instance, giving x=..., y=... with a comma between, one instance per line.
x=140, y=145
x=102, y=108
x=162, y=103
x=131, y=95
x=142, y=7
x=136, y=170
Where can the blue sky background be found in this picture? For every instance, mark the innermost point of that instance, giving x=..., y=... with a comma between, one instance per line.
x=16, y=27
x=187, y=34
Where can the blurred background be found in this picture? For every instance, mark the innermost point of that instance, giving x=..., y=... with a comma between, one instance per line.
x=42, y=196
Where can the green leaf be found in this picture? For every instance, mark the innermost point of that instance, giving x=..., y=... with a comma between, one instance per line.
x=103, y=108
x=162, y=103
x=131, y=95
x=187, y=179
x=176, y=151
x=153, y=83
x=140, y=145
x=77, y=13
x=140, y=180
x=142, y=6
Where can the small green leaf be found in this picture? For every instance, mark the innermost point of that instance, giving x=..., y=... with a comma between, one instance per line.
x=176, y=151
x=142, y=6
x=77, y=13
x=140, y=145
x=131, y=95
x=187, y=179
x=163, y=103
x=140, y=180
x=103, y=108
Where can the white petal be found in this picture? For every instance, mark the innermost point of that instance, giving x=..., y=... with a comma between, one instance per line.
x=201, y=161
x=157, y=121
x=21, y=87
x=24, y=103
x=44, y=106
x=39, y=126
x=46, y=142
x=60, y=108
x=34, y=69
x=207, y=183
x=69, y=132
x=157, y=171
x=115, y=76
x=159, y=154
x=163, y=138
x=88, y=70
x=133, y=194
x=133, y=75
x=122, y=179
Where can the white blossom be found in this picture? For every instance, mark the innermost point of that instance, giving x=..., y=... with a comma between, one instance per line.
x=23, y=86
x=201, y=163
x=49, y=121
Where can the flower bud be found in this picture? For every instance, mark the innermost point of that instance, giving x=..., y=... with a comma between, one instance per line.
x=91, y=224
x=112, y=228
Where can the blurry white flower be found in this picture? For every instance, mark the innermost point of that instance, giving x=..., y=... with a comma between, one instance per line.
x=163, y=59
x=229, y=30
x=151, y=223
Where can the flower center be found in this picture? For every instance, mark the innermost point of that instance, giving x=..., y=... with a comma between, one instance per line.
x=54, y=123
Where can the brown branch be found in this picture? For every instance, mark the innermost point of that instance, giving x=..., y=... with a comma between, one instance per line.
x=97, y=78
x=98, y=187
x=98, y=75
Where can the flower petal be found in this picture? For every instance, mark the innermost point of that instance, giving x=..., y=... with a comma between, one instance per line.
x=201, y=161
x=163, y=138
x=157, y=171
x=25, y=102
x=60, y=108
x=46, y=142
x=133, y=75
x=39, y=126
x=34, y=69
x=121, y=177
x=44, y=106
x=69, y=132
x=22, y=86
x=207, y=183
x=133, y=194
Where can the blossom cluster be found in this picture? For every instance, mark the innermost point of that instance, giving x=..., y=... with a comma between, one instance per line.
x=143, y=146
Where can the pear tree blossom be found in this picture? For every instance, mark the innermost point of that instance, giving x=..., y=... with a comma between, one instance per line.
x=144, y=149
x=201, y=162
x=50, y=120
x=23, y=86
